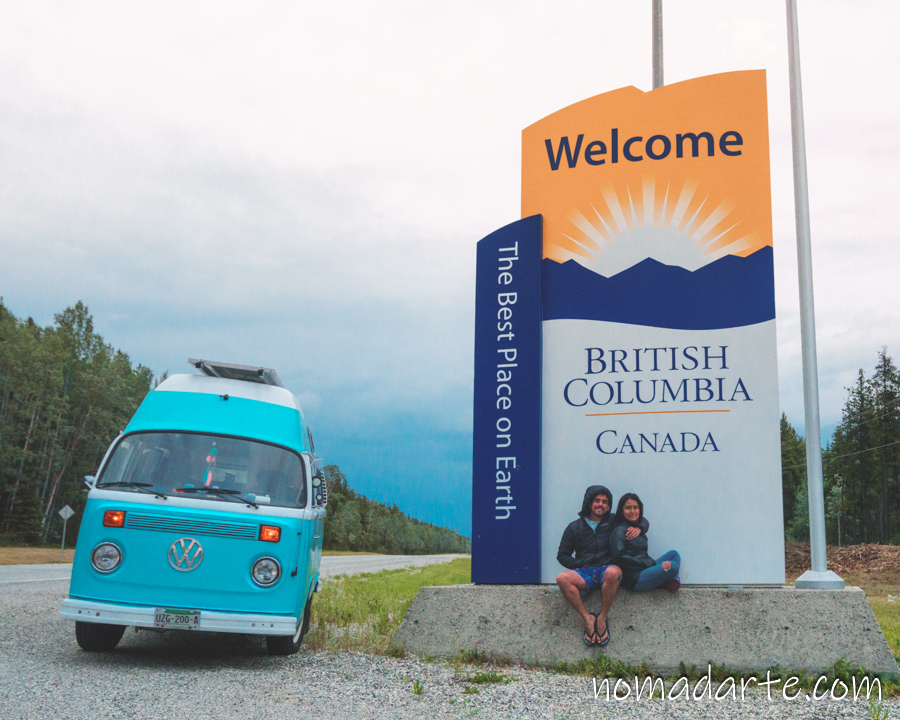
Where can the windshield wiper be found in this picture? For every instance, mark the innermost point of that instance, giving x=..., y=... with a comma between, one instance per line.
x=221, y=492
x=137, y=486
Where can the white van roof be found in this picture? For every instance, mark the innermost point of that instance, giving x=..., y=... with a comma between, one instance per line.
x=243, y=381
x=232, y=388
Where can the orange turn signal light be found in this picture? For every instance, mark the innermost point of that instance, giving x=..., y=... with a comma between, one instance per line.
x=269, y=533
x=114, y=518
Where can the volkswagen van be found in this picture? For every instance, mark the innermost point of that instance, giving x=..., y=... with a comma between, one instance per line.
x=206, y=514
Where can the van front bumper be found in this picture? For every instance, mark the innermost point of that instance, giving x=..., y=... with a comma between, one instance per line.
x=210, y=620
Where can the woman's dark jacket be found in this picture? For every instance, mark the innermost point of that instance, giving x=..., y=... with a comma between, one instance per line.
x=630, y=555
x=591, y=548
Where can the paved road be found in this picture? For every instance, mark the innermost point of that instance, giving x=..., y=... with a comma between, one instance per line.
x=34, y=573
x=331, y=565
x=351, y=564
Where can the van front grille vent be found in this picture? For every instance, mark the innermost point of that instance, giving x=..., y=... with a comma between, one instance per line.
x=161, y=523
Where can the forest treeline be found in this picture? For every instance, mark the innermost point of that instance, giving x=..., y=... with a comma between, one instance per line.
x=860, y=465
x=356, y=523
x=64, y=396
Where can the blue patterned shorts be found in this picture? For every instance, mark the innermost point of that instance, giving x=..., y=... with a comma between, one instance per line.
x=592, y=576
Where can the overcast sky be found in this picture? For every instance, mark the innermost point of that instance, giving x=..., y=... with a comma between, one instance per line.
x=301, y=185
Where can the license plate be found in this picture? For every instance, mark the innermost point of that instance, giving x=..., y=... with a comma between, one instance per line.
x=176, y=619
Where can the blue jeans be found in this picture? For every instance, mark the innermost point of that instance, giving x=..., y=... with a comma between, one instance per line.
x=655, y=576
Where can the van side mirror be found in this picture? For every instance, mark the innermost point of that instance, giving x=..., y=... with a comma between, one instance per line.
x=89, y=480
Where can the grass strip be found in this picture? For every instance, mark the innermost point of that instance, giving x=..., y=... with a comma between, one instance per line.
x=34, y=555
x=887, y=613
x=361, y=612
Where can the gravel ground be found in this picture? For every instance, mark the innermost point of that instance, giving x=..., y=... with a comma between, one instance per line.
x=43, y=674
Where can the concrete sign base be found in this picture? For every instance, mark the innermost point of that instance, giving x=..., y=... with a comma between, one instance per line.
x=746, y=630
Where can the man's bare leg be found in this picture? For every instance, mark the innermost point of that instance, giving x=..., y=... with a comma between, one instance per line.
x=571, y=584
x=611, y=579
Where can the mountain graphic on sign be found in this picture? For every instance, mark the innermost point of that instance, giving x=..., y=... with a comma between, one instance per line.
x=732, y=291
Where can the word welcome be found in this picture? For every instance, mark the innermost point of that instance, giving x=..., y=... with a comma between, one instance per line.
x=656, y=147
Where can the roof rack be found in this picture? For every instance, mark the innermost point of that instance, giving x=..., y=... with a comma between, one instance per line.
x=230, y=371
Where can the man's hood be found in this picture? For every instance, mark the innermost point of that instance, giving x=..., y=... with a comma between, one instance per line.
x=589, y=495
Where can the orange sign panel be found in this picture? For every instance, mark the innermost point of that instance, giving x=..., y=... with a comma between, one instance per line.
x=688, y=161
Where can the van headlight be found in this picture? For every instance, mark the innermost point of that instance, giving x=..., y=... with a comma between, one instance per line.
x=265, y=571
x=106, y=557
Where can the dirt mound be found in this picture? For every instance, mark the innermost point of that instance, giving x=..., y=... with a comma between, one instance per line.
x=850, y=559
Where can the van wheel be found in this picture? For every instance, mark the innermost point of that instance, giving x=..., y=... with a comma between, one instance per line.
x=94, y=637
x=285, y=644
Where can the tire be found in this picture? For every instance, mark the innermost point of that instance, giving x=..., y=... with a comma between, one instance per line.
x=284, y=644
x=94, y=637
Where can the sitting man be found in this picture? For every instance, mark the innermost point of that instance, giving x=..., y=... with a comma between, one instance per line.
x=590, y=568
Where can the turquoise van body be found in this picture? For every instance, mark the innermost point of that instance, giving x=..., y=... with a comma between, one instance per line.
x=206, y=514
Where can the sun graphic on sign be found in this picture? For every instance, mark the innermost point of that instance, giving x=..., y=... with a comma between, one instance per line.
x=673, y=223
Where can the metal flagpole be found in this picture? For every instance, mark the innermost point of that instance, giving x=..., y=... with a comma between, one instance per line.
x=819, y=576
x=657, y=45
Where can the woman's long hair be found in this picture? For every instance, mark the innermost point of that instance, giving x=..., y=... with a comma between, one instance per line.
x=620, y=508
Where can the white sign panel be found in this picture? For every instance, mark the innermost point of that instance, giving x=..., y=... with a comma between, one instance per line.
x=659, y=370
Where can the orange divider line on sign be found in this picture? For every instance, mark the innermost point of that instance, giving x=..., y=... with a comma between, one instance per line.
x=655, y=412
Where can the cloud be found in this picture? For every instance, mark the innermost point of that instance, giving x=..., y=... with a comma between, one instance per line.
x=179, y=252
x=302, y=186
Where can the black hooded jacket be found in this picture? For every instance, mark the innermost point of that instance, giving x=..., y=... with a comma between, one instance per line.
x=590, y=547
x=630, y=555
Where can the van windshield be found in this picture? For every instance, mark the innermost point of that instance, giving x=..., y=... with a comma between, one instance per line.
x=210, y=467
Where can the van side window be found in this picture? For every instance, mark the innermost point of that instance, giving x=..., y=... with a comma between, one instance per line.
x=320, y=487
x=312, y=445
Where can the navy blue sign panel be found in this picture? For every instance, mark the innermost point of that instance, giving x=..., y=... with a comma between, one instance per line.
x=506, y=453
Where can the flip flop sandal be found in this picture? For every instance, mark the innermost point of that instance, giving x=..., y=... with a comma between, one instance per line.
x=606, y=634
x=591, y=639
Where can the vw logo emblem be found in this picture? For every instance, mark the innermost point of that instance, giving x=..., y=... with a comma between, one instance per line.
x=185, y=554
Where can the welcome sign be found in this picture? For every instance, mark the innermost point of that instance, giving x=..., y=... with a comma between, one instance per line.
x=656, y=334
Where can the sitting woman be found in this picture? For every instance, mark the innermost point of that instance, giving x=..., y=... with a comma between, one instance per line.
x=640, y=571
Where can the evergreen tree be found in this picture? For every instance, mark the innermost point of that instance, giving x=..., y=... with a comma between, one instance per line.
x=793, y=478
x=64, y=394
x=885, y=431
x=356, y=523
x=850, y=458
x=862, y=463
